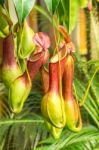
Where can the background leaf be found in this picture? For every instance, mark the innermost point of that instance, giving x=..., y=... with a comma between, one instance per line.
x=83, y=3
x=1, y=2
x=4, y=27
x=52, y=5
x=71, y=9
x=73, y=141
x=12, y=12
x=23, y=8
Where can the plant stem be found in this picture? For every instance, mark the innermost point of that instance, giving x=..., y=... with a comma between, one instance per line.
x=89, y=85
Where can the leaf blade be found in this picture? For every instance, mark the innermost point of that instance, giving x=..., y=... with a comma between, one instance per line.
x=71, y=9
x=52, y=5
x=1, y=2
x=23, y=8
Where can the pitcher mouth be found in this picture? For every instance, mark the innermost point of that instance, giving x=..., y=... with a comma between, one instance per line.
x=60, y=56
x=69, y=44
x=63, y=31
x=36, y=57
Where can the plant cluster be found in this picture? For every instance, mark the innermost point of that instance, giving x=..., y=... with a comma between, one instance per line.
x=25, y=53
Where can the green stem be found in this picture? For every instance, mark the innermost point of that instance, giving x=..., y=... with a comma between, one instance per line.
x=89, y=85
x=89, y=96
x=89, y=108
x=13, y=121
x=43, y=12
x=92, y=87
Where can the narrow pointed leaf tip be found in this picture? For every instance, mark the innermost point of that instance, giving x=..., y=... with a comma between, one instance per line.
x=52, y=5
x=23, y=8
x=70, y=9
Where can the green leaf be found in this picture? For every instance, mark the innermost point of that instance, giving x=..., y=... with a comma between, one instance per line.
x=1, y=2
x=52, y=5
x=12, y=12
x=4, y=27
x=23, y=8
x=43, y=12
x=83, y=3
x=70, y=139
x=80, y=89
x=71, y=9
x=25, y=41
x=4, y=12
x=60, y=13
